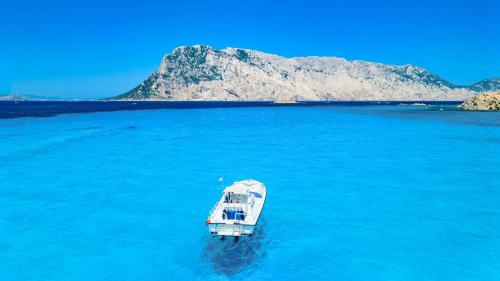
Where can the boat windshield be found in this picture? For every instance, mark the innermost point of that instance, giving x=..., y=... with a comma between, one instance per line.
x=230, y=197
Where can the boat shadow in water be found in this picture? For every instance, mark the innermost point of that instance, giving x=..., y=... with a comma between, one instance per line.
x=231, y=256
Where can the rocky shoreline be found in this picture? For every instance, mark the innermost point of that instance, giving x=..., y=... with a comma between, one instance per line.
x=483, y=102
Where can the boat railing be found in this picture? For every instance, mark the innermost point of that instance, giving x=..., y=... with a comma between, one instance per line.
x=213, y=208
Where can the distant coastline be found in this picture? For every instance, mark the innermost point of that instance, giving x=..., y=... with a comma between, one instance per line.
x=17, y=109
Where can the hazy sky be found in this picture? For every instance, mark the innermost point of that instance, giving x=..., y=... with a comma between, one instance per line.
x=92, y=49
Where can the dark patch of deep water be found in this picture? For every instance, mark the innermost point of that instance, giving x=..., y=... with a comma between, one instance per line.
x=16, y=109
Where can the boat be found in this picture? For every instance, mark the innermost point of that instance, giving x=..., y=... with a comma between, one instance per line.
x=238, y=210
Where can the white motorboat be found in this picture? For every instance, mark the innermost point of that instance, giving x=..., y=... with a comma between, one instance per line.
x=238, y=210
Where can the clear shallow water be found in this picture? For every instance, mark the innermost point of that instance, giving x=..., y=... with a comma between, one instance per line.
x=354, y=193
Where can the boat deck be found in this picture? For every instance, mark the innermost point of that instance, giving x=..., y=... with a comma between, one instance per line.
x=238, y=210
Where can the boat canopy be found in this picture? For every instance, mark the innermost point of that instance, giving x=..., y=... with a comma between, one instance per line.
x=244, y=187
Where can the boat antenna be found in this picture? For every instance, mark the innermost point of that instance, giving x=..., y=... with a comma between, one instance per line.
x=221, y=179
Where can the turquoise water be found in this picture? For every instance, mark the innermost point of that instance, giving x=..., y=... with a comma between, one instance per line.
x=354, y=193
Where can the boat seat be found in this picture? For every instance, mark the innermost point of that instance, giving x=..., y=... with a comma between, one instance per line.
x=233, y=214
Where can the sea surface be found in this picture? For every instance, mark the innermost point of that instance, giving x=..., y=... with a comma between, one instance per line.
x=354, y=193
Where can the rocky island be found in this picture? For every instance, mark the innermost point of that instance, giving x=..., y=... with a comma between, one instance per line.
x=203, y=73
x=487, y=102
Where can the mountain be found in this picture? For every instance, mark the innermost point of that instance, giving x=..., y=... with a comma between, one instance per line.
x=15, y=97
x=487, y=85
x=204, y=73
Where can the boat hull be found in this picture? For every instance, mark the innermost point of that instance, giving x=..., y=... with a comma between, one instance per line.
x=223, y=229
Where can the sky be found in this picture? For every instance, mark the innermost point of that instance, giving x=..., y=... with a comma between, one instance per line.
x=95, y=49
